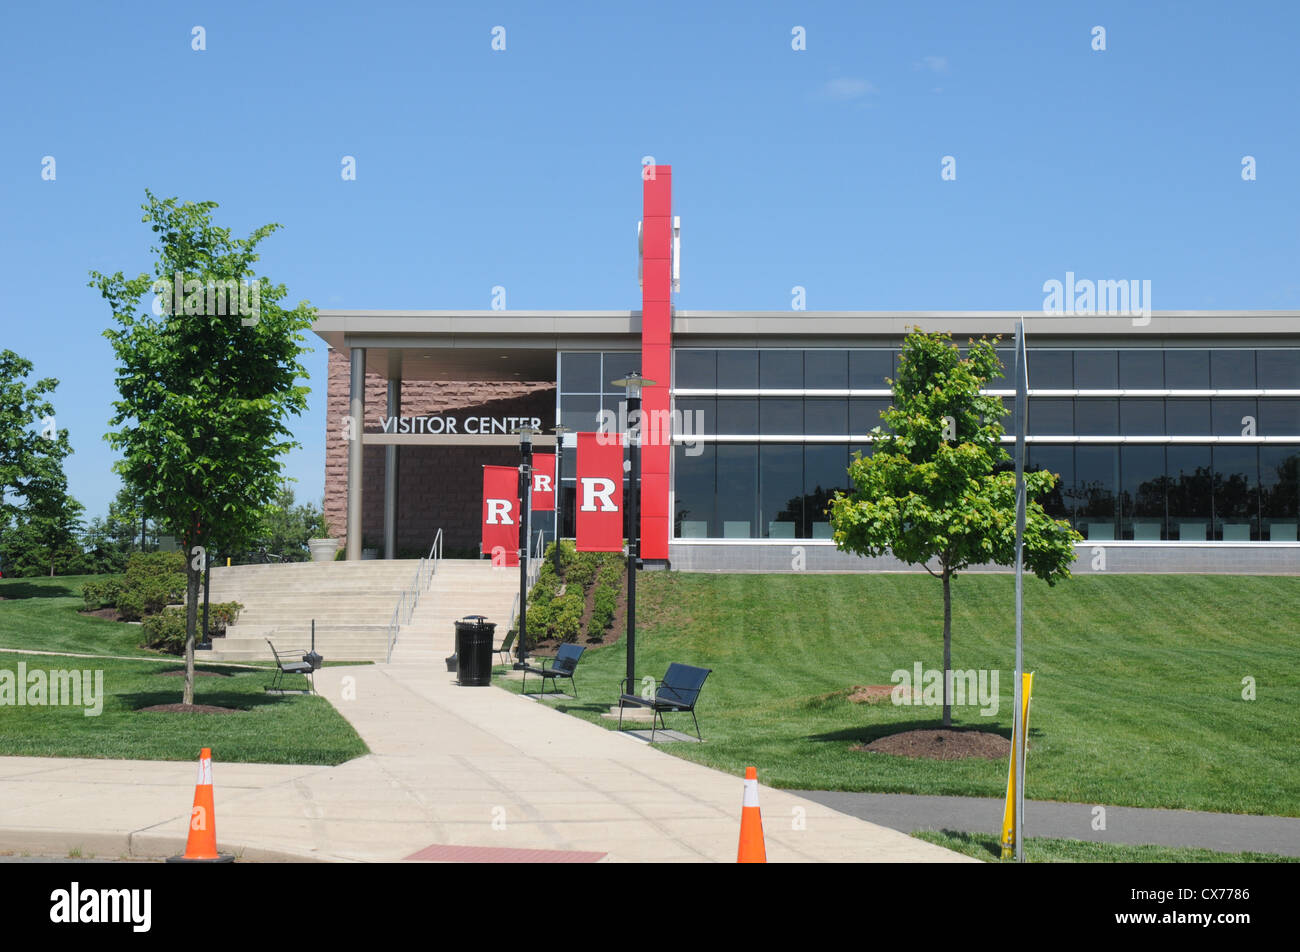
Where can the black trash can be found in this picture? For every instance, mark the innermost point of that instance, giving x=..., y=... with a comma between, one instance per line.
x=474, y=635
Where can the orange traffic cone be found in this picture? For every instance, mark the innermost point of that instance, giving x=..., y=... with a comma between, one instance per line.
x=201, y=845
x=751, y=849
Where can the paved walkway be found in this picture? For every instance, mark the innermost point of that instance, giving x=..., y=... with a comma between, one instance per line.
x=477, y=767
x=1226, y=832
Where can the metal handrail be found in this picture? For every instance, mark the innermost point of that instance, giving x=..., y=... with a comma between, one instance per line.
x=425, y=570
x=534, y=568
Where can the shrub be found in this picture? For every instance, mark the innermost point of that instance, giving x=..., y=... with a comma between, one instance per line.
x=221, y=615
x=566, y=620
x=602, y=612
x=165, y=631
x=102, y=593
x=153, y=581
x=583, y=570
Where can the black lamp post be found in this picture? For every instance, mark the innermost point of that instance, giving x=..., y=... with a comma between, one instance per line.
x=559, y=430
x=525, y=526
x=633, y=383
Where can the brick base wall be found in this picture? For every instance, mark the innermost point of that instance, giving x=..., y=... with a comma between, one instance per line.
x=438, y=486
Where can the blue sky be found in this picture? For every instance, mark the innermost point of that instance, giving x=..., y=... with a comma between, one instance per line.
x=520, y=168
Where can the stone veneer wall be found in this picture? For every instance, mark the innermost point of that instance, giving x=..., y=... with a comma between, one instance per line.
x=438, y=487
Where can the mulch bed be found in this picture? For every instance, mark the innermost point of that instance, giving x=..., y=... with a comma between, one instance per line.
x=875, y=693
x=940, y=745
x=111, y=614
x=188, y=709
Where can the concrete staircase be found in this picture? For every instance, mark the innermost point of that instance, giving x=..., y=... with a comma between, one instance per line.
x=352, y=603
x=460, y=587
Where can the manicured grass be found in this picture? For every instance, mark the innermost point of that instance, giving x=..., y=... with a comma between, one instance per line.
x=41, y=614
x=275, y=729
x=985, y=846
x=1137, y=694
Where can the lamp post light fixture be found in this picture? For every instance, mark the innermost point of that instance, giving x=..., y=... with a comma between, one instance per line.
x=559, y=430
x=633, y=383
x=525, y=433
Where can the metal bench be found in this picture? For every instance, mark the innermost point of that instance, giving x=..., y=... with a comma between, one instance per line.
x=506, y=645
x=308, y=665
x=676, y=693
x=566, y=661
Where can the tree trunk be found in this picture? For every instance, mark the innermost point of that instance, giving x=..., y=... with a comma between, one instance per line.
x=947, y=648
x=191, y=613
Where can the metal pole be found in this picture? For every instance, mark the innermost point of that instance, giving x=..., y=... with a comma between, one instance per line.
x=633, y=529
x=357, y=415
x=206, y=642
x=1018, y=732
x=525, y=479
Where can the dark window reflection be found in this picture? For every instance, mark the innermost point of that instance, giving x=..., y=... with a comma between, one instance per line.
x=826, y=416
x=780, y=369
x=780, y=416
x=696, y=369
x=580, y=373
x=1191, y=492
x=1232, y=369
x=1058, y=460
x=826, y=369
x=825, y=473
x=781, y=491
x=864, y=414
x=1142, y=493
x=1096, y=370
x=1096, y=478
x=1051, y=369
x=1236, y=493
x=868, y=369
x=1187, y=369
x=1279, y=369
x=1142, y=416
x=737, y=370
x=619, y=364
x=738, y=415
x=694, y=515
x=1279, y=416
x=1188, y=416
x=1096, y=416
x=1279, y=484
x=1051, y=416
x=737, y=499
x=1142, y=369
x=1226, y=416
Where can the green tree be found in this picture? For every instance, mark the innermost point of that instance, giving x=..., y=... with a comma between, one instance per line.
x=22, y=406
x=287, y=527
x=51, y=517
x=936, y=491
x=206, y=385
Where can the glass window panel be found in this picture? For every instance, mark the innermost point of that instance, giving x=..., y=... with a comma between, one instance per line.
x=737, y=498
x=738, y=415
x=697, y=414
x=1096, y=369
x=1141, y=416
x=781, y=491
x=1096, y=416
x=1226, y=415
x=1279, y=416
x=1232, y=369
x=1236, y=493
x=1191, y=488
x=780, y=369
x=1187, y=369
x=826, y=369
x=1058, y=460
x=1051, y=416
x=780, y=416
x=580, y=373
x=1142, y=493
x=580, y=412
x=1279, y=369
x=697, y=369
x=826, y=416
x=1003, y=380
x=1051, y=369
x=617, y=366
x=1142, y=369
x=1279, y=476
x=864, y=413
x=737, y=370
x=694, y=493
x=825, y=471
x=1187, y=416
x=869, y=368
x=1096, y=479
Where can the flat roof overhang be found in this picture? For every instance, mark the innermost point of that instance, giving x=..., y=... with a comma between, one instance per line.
x=521, y=345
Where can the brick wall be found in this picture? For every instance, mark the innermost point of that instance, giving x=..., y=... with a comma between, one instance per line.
x=438, y=486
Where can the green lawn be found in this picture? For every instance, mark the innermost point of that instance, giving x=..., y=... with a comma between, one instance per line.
x=42, y=614
x=986, y=846
x=1137, y=694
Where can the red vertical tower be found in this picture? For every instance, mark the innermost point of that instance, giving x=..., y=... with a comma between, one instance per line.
x=656, y=356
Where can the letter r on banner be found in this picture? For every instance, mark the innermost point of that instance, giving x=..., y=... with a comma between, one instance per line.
x=599, y=516
x=543, y=482
x=501, y=512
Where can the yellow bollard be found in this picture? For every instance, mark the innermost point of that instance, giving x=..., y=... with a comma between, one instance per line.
x=1009, y=812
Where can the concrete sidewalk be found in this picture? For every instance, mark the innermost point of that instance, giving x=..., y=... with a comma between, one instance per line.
x=477, y=767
